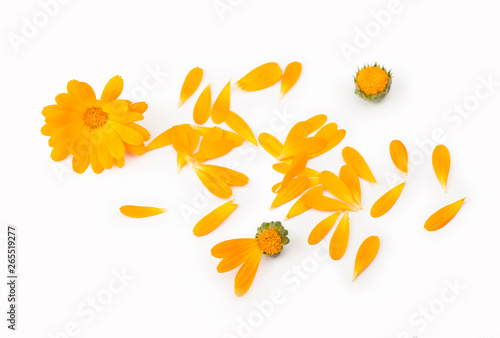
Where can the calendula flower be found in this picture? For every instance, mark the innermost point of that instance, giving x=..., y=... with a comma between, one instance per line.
x=95, y=131
x=247, y=253
x=372, y=82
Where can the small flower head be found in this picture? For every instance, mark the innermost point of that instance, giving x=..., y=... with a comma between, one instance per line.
x=271, y=237
x=373, y=82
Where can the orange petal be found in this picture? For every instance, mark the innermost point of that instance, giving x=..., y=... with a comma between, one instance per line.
x=386, y=201
x=225, y=248
x=358, y=163
x=270, y=144
x=441, y=164
x=332, y=135
x=322, y=228
x=236, y=123
x=299, y=207
x=336, y=187
x=261, y=77
x=320, y=202
x=214, y=150
x=290, y=77
x=229, y=176
x=238, y=257
x=220, y=109
x=340, y=238
x=298, y=133
x=316, y=122
x=309, y=145
x=212, y=220
x=113, y=89
x=283, y=168
x=366, y=253
x=351, y=179
x=296, y=187
x=203, y=106
x=399, y=155
x=140, y=212
x=443, y=216
x=246, y=274
x=298, y=164
x=216, y=186
x=212, y=135
x=226, y=134
x=191, y=83
x=185, y=140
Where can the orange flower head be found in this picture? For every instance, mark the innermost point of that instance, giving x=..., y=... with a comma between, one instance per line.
x=96, y=132
x=372, y=82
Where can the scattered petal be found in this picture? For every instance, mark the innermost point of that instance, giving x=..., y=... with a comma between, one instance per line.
x=212, y=220
x=296, y=187
x=320, y=202
x=140, y=211
x=161, y=140
x=358, y=163
x=261, y=77
x=220, y=109
x=443, y=216
x=322, y=228
x=214, y=150
x=441, y=164
x=336, y=187
x=229, y=176
x=351, y=179
x=283, y=168
x=399, y=155
x=290, y=77
x=270, y=144
x=216, y=186
x=203, y=106
x=316, y=122
x=236, y=123
x=332, y=135
x=366, y=253
x=299, y=207
x=340, y=238
x=191, y=83
x=298, y=133
x=386, y=201
x=310, y=145
x=298, y=164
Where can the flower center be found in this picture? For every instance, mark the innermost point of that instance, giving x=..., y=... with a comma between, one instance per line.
x=372, y=80
x=270, y=242
x=95, y=117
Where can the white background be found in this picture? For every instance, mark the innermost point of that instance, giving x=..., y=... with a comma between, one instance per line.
x=72, y=236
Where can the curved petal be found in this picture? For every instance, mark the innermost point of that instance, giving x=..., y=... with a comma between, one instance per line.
x=113, y=89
